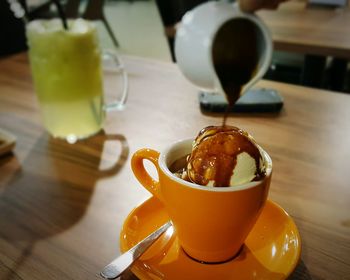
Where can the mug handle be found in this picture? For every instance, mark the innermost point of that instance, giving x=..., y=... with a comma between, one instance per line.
x=140, y=172
x=108, y=55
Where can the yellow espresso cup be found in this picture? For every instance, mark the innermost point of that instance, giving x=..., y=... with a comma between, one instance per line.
x=211, y=223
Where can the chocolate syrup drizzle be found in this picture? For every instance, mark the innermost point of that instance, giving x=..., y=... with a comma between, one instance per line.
x=216, y=149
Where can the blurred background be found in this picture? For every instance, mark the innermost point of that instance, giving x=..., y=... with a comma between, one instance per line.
x=146, y=28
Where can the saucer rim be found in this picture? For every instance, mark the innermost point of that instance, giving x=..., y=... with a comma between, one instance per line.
x=275, y=204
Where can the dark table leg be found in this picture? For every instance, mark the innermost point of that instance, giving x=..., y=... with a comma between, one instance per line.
x=313, y=71
x=337, y=74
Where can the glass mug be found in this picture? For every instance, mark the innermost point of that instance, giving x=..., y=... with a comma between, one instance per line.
x=67, y=72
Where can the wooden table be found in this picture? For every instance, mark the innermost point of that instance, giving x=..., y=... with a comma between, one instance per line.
x=314, y=30
x=62, y=206
x=317, y=32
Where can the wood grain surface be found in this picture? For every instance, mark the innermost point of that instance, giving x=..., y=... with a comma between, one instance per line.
x=62, y=206
x=317, y=30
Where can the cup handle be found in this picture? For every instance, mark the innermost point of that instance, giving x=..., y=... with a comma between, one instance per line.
x=140, y=172
x=108, y=55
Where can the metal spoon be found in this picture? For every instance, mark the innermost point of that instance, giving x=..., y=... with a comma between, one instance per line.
x=118, y=266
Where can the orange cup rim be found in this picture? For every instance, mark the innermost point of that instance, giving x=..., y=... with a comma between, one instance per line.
x=188, y=143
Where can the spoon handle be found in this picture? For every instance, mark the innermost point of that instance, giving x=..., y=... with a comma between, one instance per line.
x=124, y=261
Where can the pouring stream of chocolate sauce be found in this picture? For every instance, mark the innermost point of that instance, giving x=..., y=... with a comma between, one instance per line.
x=235, y=56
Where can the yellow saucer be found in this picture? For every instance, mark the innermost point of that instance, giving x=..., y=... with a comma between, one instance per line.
x=271, y=251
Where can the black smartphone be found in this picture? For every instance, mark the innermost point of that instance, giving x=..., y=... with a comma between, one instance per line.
x=258, y=100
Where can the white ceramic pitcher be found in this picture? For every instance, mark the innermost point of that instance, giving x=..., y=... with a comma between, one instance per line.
x=194, y=42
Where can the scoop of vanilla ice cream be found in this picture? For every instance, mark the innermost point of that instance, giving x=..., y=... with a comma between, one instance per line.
x=224, y=156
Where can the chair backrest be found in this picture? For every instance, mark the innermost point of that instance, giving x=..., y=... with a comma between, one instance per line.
x=94, y=10
x=72, y=8
x=12, y=31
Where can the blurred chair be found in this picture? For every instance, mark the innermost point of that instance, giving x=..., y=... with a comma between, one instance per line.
x=41, y=11
x=171, y=12
x=71, y=8
x=48, y=10
x=12, y=31
x=94, y=11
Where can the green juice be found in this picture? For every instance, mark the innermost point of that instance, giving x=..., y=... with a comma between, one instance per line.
x=67, y=74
